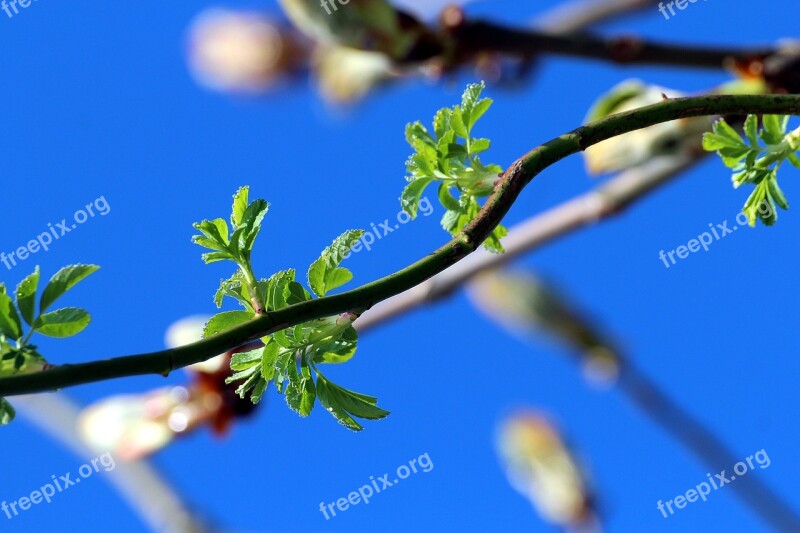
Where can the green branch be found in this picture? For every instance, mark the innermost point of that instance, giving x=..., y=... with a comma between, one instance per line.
x=507, y=189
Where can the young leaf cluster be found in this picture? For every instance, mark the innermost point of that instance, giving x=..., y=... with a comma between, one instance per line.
x=755, y=164
x=17, y=355
x=235, y=245
x=451, y=156
x=289, y=358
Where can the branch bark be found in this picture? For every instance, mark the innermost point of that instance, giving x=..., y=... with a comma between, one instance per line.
x=473, y=37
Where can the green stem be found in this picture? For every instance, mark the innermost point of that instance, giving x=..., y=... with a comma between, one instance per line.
x=252, y=288
x=28, y=336
x=506, y=192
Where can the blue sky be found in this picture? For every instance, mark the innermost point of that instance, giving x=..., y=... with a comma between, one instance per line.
x=97, y=102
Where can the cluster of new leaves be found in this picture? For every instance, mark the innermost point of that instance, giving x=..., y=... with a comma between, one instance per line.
x=450, y=156
x=755, y=164
x=17, y=355
x=288, y=358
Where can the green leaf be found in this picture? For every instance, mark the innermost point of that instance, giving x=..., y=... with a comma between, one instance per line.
x=276, y=285
x=337, y=277
x=10, y=325
x=480, y=109
x=269, y=358
x=294, y=293
x=480, y=145
x=441, y=124
x=447, y=199
x=234, y=287
x=492, y=243
x=301, y=393
x=242, y=375
x=412, y=195
x=244, y=360
x=251, y=222
x=7, y=412
x=337, y=351
x=451, y=221
x=759, y=205
x=239, y=206
x=258, y=390
x=214, y=257
x=284, y=360
x=215, y=234
x=250, y=384
x=324, y=274
x=416, y=134
x=724, y=130
x=776, y=193
x=442, y=148
x=469, y=100
x=332, y=405
x=26, y=296
x=713, y=142
x=774, y=128
x=356, y=404
x=64, y=322
x=751, y=130
x=457, y=123
x=284, y=340
x=62, y=281
x=226, y=321
x=16, y=360
x=455, y=151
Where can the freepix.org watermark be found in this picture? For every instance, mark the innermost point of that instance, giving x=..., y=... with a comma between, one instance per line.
x=680, y=4
x=54, y=232
x=707, y=238
x=328, y=4
x=422, y=463
x=56, y=486
x=11, y=5
x=380, y=231
x=702, y=490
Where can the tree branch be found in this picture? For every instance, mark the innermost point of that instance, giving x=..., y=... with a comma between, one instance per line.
x=474, y=37
x=507, y=189
x=579, y=14
x=706, y=445
x=157, y=503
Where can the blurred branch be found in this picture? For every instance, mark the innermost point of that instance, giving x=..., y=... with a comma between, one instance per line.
x=522, y=302
x=474, y=37
x=507, y=189
x=579, y=14
x=706, y=445
x=147, y=493
x=241, y=51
